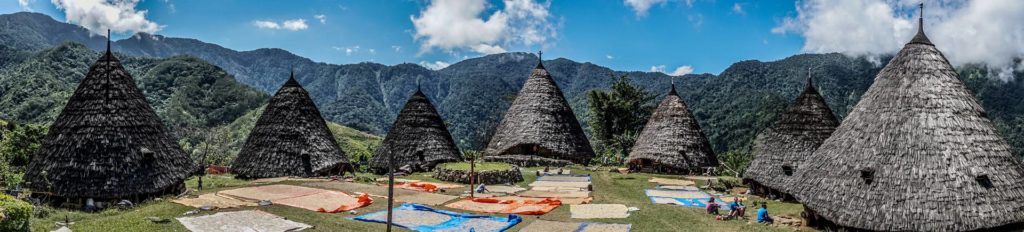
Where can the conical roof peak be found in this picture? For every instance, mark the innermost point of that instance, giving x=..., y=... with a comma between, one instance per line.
x=672, y=91
x=540, y=60
x=291, y=81
x=921, y=38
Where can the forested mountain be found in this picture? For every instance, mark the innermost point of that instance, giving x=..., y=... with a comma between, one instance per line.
x=473, y=94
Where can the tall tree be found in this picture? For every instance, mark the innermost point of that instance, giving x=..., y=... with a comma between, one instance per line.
x=617, y=116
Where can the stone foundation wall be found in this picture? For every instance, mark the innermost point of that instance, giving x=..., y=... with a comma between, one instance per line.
x=486, y=177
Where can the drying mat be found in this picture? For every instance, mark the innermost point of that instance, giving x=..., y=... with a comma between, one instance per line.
x=569, y=178
x=688, y=202
x=505, y=189
x=565, y=201
x=285, y=178
x=249, y=220
x=213, y=200
x=678, y=188
x=548, y=194
x=676, y=194
x=328, y=202
x=561, y=184
x=425, y=219
x=599, y=211
x=555, y=226
x=509, y=206
x=677, y=182
x=270, y=192
x=558, y=189
x=553, y=171
x=408, y=182
x=705, y=178
x=401, y=195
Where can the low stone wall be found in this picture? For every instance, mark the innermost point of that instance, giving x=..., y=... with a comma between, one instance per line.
x=486, y=177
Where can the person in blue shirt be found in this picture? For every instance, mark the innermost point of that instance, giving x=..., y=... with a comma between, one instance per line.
x=762, y=215
x=737, y=209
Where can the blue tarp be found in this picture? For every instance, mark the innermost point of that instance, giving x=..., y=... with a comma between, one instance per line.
x=688, y=202
x=457, y=221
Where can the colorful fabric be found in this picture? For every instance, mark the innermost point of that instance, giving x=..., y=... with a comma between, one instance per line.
x=425, y=219
x=493, y=205
x=314, y=199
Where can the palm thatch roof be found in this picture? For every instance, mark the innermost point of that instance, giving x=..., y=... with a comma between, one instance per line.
x=917, y=153
x=778, y=150
x=672, y=140
x=539, y=128
x=108, y=143
x=290, y=139
x=418, y=138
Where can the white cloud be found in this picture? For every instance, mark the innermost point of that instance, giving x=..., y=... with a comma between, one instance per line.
x=295, y=24
x=100, y=15
x=291, y=25
x=987, y=31
x=322, y=18
x=458, y=24
x=642, y=6
x=372, y=51
x=25, y=4
x=696, y=19
x=266, y=24
x=396, y=48
x=738, y=9
x=682, y=70
x=436, y=65
x=658, y=68
x=609, y=56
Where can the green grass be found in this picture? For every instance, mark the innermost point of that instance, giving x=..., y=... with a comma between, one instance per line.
x=609, y=188
x=482, y=166
x=353, y=142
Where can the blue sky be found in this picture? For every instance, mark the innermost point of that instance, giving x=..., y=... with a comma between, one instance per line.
x=707, y=35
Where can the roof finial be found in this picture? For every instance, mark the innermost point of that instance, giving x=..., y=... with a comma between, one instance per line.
x=417, y=83
x=920, y=19
x=810, y=79
x=540, y=59
x=108, y=40
x=673, y=90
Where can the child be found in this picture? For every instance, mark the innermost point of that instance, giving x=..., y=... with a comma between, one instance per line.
x=762, y=215
x=712, y=207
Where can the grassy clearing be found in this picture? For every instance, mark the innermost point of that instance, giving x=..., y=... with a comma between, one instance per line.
x=609, y=188
x=482, y=166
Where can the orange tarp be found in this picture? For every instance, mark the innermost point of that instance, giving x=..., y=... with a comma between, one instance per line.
x=492, y=205
x=328, y=202
x=425, y=186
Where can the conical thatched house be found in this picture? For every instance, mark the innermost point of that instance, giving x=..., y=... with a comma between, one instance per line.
x=917, y=153
x=290, y=139
x=419, y=138
x=108, y=144
x=672, y=141
x=539, y=128
x=779, y=150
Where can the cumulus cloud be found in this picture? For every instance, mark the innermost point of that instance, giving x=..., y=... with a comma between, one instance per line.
x=350, y=50
x=609, y=56
x=679, y=71
x=321, y=18
x=642, y=6
x=291, y=25
x=657, y=68
x=459, y=24
x=396, y=48
x=682, y=70
x=986, y=32
x=25, y=4
x=436, y=65
x=100, y=15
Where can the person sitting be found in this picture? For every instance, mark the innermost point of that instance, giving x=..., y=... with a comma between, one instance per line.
x=712, y=207
x=737, y=209
x=762, y=215
x=559, y=171
x=482, y=189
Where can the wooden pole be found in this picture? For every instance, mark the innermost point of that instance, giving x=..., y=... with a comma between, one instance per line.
x=391, y=187
x=472, y=177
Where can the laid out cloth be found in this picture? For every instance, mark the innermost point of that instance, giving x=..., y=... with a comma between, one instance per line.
x=425, y=219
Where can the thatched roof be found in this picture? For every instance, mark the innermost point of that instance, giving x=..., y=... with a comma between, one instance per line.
x=778, y=150
x=108, y=143
x=917, y=153
x=419, y=137
x=539, y=125
x=290, y=139
x=673, y=139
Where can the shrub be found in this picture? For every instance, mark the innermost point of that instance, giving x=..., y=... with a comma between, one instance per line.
x=16, y=214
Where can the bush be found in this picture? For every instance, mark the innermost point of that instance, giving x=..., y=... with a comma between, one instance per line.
x=16, y=214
